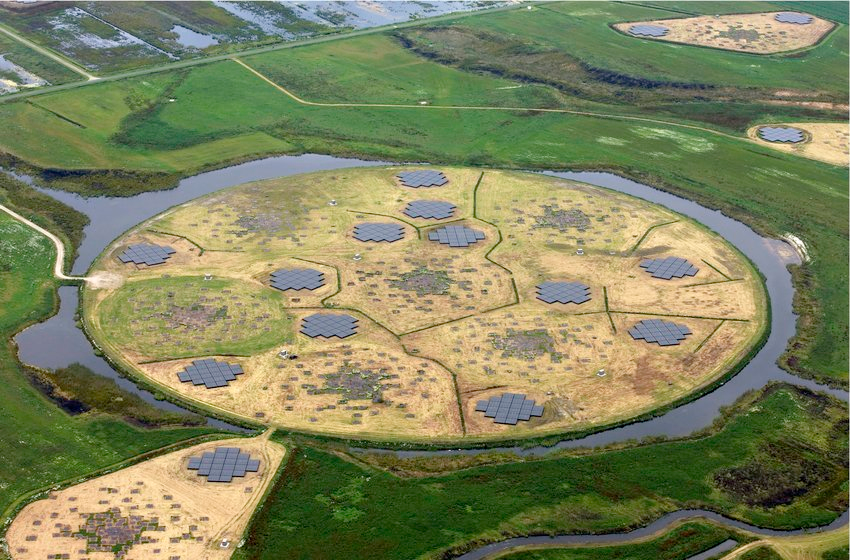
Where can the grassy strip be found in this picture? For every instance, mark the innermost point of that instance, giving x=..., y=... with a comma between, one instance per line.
x=330, y=507
x=706, y=339
x=709, y=283
x=717, y=270
x=646, y=233
x=608, y=309
x=201, y=249
x=58, y=115
x=77, y=389
x=683, y=316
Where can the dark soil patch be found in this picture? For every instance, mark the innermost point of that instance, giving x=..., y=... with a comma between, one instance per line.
x=424, y=282
x=528, y=345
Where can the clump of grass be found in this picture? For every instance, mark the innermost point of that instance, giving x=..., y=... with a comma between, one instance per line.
x=79, y=390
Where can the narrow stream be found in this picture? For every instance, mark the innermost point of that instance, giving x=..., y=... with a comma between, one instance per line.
x=659, y=525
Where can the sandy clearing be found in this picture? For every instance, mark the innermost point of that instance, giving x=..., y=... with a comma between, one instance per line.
x=825, y=142
x=753, y=33
x=194, y=516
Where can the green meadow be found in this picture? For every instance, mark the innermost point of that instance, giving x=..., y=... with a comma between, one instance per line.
x=329, y=504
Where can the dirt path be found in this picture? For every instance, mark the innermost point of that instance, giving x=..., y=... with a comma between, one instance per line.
x=60, y=248
x=482, y=108
x=48, y=53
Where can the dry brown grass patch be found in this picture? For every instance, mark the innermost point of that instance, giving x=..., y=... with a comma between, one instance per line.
x=753, y=33
x=824, y=141
x=430, y=314
x=194, y=515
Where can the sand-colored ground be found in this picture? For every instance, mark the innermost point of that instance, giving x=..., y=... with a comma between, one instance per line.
x=434, y=321
x=824, y=141
x=193, y=516
x=753, y=33
x=409, y=396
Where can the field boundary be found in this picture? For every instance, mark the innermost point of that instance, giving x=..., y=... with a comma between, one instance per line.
x=44, y=51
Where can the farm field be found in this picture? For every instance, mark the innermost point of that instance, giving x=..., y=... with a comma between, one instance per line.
x=360, y=504
x=412, y=296
x=33, y=62
x=115, y=37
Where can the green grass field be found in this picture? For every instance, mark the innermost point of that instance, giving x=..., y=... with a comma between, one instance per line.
x=329, y=506
x=680, y=543
x=43, y=445
x=209, y=325
x=209, y=122
x=581, y=30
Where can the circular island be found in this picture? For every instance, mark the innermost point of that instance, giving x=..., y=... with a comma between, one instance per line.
x=425, y=304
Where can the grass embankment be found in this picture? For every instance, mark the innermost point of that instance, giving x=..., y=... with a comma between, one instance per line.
x=680, y=543
x=182, y=121
x=77, y=389
x=586, y=69
x=43, y=445
x=330, y=505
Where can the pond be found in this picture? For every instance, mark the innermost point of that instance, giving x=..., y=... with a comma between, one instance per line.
x=190, y=38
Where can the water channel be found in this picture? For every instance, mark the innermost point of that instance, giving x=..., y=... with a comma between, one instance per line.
x=58, y=342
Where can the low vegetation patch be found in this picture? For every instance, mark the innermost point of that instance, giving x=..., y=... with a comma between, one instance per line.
x=604, y=492
x=77, y=389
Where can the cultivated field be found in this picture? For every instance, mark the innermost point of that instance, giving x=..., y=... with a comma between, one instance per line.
x=824, y=141
x=753, y=33
x=169, y=510
x=439, y=327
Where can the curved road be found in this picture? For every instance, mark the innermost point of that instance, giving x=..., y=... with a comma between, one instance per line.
x=58, y=267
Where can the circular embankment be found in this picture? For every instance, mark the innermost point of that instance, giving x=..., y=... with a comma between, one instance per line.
x=486, y=305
